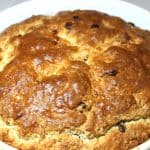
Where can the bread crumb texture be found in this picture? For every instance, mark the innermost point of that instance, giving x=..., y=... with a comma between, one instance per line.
x=79, y=80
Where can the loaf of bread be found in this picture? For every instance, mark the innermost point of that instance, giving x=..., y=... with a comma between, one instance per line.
x=79, y=80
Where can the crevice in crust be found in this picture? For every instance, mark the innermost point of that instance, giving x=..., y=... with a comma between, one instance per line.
x=10, y=135
x=125, y=122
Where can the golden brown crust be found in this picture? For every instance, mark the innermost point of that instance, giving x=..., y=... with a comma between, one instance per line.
x=77, y=80
x=136, y=133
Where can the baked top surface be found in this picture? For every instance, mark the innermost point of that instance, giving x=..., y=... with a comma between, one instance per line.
x=80, y=77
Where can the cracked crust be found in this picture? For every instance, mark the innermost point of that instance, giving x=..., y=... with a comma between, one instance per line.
x=77, y=80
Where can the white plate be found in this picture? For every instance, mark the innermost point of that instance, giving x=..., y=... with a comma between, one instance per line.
x=119, y=8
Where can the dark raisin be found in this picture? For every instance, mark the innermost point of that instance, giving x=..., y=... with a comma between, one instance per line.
x=55, y=42
x=121, y=127
x=19, y=35
x=86, y=58
x=55, y=31
x=81, y=111
x=132, y=24
x=111, y=72
x=68, y=25
x=94, y=26
x=82, y=104
x=105, y=14
x=75, y=17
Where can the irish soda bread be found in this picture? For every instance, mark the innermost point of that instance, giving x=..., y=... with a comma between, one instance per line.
x=79, y=80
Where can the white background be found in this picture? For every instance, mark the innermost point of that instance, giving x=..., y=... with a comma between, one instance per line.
x=7, y=3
